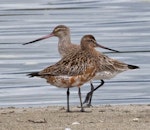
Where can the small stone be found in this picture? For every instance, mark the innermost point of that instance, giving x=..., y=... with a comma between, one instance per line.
x=75, y=123
x=136, y=119
x=101, y=121
x=18, y=120
x=67, y=128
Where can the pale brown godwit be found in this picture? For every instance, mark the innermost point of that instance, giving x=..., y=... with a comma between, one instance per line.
x=65, y=46
x=74, y=69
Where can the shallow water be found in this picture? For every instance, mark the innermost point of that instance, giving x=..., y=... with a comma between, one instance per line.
x=118, y=24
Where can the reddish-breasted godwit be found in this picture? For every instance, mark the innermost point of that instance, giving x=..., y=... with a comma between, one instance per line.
x=65, y=46
x=74, y=69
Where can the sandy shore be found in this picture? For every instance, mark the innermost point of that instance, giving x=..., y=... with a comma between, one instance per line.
x=117, y=117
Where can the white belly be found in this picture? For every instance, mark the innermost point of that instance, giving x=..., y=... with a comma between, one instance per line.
x=104, y=75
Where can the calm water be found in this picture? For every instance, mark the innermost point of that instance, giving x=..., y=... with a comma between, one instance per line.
x=123, y=25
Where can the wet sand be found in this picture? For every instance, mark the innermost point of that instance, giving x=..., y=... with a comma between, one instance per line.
x=108, y=117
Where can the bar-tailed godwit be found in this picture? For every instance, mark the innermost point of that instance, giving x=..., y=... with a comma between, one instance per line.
x=74, y=69
x=65, y=46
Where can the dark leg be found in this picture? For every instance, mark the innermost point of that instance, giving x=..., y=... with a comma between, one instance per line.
x=92, y=88
x=68, y=93
x=79, y=92
x=89, y=95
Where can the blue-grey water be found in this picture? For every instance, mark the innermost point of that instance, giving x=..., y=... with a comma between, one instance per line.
x=123, y=25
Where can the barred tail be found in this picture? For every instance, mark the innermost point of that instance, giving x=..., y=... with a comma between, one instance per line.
x=33, y=74
x=133, y=67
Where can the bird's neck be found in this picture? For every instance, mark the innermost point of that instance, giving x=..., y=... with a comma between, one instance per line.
x=90, y=50
x=64, y=44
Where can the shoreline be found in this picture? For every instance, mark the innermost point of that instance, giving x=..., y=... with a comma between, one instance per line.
x=104, y=117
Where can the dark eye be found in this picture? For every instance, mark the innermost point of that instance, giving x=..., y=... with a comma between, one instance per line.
x=91, y=41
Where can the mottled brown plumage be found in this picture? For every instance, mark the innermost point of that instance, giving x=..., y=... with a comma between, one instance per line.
x=74, y=69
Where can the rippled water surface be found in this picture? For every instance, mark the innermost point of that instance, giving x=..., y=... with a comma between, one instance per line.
x=123, y=25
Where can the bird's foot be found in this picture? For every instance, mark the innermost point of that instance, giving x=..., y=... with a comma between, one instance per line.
x=87, y=105
x=68, y=110
x=82, y=110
